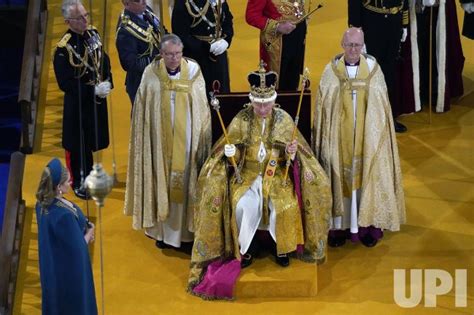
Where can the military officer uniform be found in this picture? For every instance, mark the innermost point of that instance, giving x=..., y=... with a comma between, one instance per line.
x=382, y=22
x=79, y=65
x=283, y=53
x=137, y=42
x=199, y=23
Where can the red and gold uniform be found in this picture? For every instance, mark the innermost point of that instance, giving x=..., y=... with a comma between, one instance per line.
x=283, y=54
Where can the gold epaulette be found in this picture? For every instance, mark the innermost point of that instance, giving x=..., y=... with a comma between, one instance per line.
x=124, y=18
x=62, y=43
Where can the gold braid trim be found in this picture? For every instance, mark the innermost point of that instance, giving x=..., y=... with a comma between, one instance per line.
x=406, y=18
x=393, y=10
x=201, y=13
x=147, y=36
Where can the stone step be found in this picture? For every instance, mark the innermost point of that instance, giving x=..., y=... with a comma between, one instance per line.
x=265, y=279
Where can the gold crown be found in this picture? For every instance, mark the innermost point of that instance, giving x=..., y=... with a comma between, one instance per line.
x=262, y=83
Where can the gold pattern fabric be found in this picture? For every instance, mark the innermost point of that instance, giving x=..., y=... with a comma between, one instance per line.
x=147, y=195
x=352, y=134
x=382, y=201
x=175, y=134
x=271, y=40
x=218, y=193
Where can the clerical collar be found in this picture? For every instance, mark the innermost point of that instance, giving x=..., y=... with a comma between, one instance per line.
x=352, y=64
x=173, y=72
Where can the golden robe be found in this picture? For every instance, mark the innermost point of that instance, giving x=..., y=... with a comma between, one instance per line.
x=216, y=230
x=147, y=195
x=382, y=201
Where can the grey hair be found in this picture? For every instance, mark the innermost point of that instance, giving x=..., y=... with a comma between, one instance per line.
x=172, y=38
x=67, y=6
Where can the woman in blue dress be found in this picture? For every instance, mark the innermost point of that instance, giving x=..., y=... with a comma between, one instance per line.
x=63, y=236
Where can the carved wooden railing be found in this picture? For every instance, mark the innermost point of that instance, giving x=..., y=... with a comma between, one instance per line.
x=10, y=241
x=31, y=70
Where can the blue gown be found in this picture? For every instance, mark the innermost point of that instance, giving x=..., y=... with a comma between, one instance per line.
x=65, y=267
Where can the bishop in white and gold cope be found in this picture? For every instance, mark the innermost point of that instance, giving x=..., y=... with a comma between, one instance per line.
x=170, y=140
x=354, y=140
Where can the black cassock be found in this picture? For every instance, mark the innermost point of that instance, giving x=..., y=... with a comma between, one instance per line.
x=193, y=37
x=85, y=121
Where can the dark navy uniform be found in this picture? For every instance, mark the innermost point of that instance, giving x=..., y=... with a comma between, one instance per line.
x=79, y=64
x=468, y=25
x=194, y=21
x=382, y=22
x=138, y=39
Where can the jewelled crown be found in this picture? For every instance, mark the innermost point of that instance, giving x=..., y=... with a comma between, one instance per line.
x=262, y=84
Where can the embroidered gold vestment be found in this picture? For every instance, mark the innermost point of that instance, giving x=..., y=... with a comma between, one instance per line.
x=147, y=195
x=382, y=201
x=218, y=193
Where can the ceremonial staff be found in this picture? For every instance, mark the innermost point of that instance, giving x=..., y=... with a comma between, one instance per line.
x=431, y=65
x=215, y=105
x=98, y=182
x=307, y=15
x=297, y=118
x=162, y=25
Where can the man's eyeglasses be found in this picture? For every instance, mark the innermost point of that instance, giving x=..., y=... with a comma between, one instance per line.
x=79, y=18
x=353, y=45
x=173, y=54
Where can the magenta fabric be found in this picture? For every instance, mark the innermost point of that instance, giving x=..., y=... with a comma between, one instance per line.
x=297, y=180
x=376, y=233
x=219, y=280
x=404, y=98
x=454, y=55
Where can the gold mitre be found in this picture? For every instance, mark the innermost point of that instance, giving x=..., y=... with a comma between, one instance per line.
x=262, y=85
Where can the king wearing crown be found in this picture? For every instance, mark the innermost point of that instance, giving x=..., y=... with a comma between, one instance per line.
x=235, y=215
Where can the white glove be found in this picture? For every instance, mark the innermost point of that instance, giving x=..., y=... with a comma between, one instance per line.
x=103, y=89
x=219, y=47
x=404, y=35
x=229, y=150
x=428, y=3
x=214, y=2
x=468, y=7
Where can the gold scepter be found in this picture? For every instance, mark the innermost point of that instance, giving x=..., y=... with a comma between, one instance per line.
x=215, y=104
x=307, y=15
x=297, y=118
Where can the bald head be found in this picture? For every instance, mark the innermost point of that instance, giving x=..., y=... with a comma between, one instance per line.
x=352, y=42
x=353, y=33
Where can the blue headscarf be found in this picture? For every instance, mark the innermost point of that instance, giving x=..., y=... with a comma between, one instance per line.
x=55, y=169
